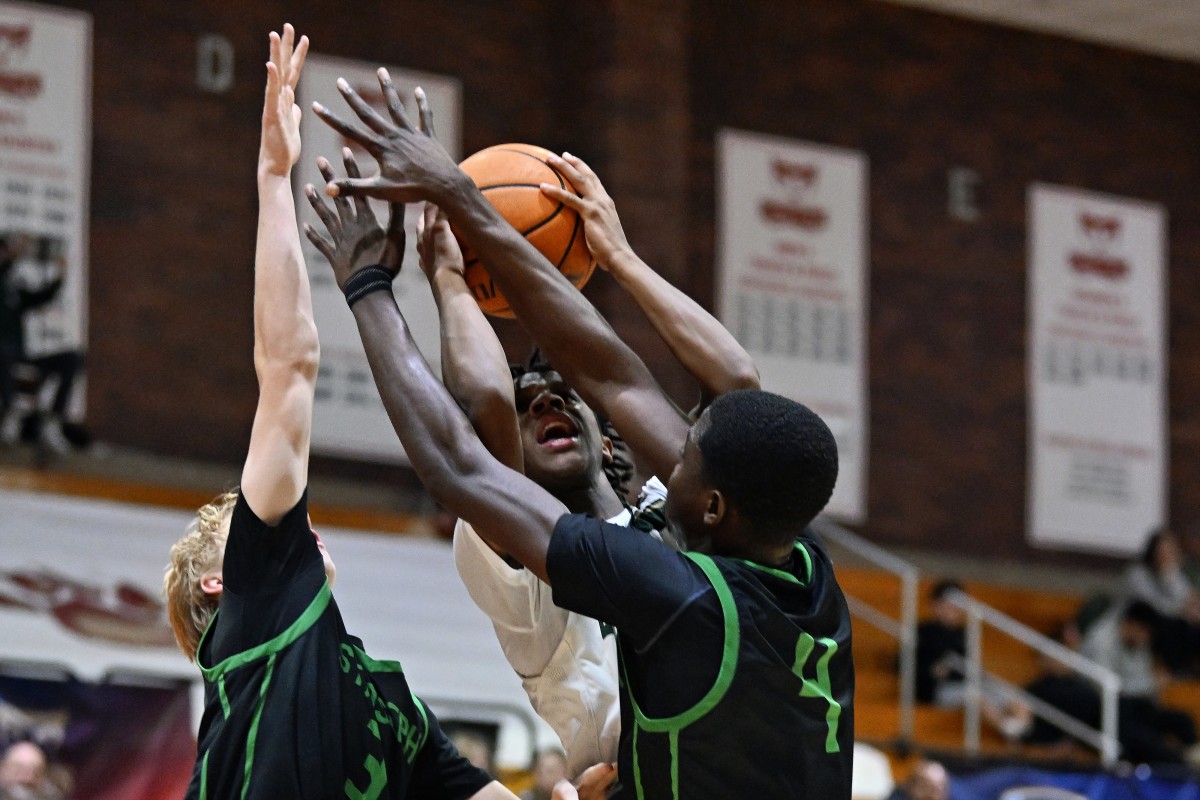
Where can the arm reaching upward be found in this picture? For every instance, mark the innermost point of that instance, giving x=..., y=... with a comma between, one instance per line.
x=444, y=450
x=474, y=367
x=286, y=351
x=697, y=339
x=442, y=447
x=572, y=334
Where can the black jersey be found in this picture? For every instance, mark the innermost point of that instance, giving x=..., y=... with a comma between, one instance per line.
x=737, y=680
x=293, y=705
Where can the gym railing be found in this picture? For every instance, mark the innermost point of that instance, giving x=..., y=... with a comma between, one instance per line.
x=902, y=629
x=1103, y=739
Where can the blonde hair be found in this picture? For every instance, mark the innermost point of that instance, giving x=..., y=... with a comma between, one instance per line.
x=190, y=608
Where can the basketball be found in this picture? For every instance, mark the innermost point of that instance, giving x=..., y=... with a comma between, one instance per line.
x=509, y=175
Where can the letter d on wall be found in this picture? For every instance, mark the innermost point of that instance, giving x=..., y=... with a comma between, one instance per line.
x=214, y=63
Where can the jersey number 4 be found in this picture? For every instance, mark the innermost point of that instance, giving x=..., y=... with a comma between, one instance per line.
x=818, y=686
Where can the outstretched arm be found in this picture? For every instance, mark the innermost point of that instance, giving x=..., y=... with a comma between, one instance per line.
x=572, y=334
x=697, y=339
x=443, y=448
x=286, y=351
x=474, y=367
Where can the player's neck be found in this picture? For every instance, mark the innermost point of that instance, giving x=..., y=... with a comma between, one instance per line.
x=597, y=499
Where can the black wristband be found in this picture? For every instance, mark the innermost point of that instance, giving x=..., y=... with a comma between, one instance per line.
x=368, y=279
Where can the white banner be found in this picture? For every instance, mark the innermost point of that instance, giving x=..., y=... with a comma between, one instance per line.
x=349, y=419
x=792, y=282
x=1097, y=370
x=45, y=151
x=95, y=610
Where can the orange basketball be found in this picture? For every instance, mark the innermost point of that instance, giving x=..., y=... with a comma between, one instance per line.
x=509, y=175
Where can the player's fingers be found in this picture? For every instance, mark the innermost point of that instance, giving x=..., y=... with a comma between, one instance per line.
x=330, y=220
x=584, y=182
x=286, y=43
x=426, y=221
x=273, y=39
x=369, y=141
x=580, y=166
x=424, y=113
x=287, y=99
x=351, y=187
x=361, y=207
x=297, y=63
x=594, y=782
x=563, y=790
x=272, y=79
x=320, y=242
x=342, y=204
x=362, y=108
x=390, y=96
x=569, y=199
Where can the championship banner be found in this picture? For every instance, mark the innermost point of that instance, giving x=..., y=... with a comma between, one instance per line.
x=1097, y=370
x=348, y=418
x=45, y=149
x=792, y=283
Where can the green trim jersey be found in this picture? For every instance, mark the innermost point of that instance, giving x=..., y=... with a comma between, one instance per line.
x=293, y=706
x=737, y=679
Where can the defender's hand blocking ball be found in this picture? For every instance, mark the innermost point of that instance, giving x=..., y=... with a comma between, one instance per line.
x=510, y=177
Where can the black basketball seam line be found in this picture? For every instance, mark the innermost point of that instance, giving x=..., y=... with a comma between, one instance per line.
x=570, y=242
x=558, y=209
x=557, y=174
x=562, y=185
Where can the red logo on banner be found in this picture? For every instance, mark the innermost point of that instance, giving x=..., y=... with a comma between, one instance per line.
x=14, y=46
x=796, y=180
x=1099, y=233
x=124, y=614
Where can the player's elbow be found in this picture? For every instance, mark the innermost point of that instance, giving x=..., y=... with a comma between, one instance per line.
x=742, y=375
x=300, y=357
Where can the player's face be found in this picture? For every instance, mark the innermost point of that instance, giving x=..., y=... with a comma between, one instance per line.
x=560, y=437
x=330, y=569
x=687, y=495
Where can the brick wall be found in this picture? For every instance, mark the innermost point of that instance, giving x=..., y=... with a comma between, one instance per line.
x=639, y=89
x=921, y=93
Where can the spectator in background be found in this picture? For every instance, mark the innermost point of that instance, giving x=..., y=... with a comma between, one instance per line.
x=549, y=768
x=1150, y=732
x=24, y=776
x=928, y=781
x=1158, y=580
x=941, y=647
x=474, y=747
x=15, y=301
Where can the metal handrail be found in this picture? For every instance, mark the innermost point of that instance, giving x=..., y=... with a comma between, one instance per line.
x=904, y=630
x=978, y=613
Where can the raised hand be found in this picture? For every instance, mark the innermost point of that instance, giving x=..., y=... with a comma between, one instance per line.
x=592, y=784
x=436, y=245
x=355, y=238
x=280, y=146
x=412, y=164
x=601, y=225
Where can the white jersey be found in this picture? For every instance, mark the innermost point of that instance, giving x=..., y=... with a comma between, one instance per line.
x=566, y=663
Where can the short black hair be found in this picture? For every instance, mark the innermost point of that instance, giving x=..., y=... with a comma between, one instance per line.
x=773, y=457
x=619, y=470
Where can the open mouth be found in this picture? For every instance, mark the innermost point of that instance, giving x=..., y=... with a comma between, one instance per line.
x=556, y=430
